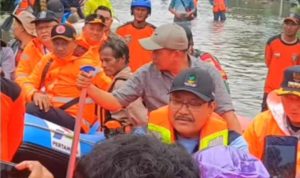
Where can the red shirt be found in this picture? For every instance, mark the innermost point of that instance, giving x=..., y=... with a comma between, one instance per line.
x=138, y=55
x=279, y=56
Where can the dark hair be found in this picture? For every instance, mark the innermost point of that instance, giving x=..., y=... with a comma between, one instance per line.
x=104, y=8
x=119, y=48
x=92, y=17
x=136, y=156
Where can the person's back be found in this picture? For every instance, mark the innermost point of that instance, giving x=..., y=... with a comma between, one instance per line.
x=219, y=9
x=12, y=118
x=134, y=156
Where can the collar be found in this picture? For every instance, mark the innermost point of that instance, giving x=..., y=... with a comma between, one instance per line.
x=125, y=72
x=295, y=41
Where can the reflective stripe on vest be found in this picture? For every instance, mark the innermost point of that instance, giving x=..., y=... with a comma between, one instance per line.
x=22, y=75
x=67, y=99
x=85, y=124
x=217, y=138
x=164, y=134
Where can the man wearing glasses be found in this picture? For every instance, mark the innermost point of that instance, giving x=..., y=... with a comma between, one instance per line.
x=189, y=118
x=152, y=82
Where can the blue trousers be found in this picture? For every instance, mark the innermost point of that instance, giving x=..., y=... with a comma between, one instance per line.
x=219, y=16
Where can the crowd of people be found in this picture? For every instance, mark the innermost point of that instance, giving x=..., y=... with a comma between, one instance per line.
x=168, y=102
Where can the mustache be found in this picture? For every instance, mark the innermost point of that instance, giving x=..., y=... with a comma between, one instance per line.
x=184, y=118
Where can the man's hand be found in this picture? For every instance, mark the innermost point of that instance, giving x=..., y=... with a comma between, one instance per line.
x=36, y=168
x=179, y=15
x=42, y=100
x=190, y=14
x=84, y=80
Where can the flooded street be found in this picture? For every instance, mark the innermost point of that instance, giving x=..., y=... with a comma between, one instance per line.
x=238, y=43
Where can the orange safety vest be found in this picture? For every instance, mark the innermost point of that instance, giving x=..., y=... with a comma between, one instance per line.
x=219, y=6
x=31, y=55
x=60, y=84
x=138, y=55
x=12, y=118
x=267, y=123
x=214, y=132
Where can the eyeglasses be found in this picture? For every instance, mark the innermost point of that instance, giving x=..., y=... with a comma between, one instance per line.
x=192, y=104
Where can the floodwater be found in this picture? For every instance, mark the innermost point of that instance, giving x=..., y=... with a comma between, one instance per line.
x=238, y=43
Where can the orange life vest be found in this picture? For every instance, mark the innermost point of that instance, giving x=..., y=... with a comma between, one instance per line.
x=214, y=132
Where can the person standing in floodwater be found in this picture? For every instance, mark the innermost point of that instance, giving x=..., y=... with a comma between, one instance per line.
x=281, y=51
x=219, y=9
x=183, y=11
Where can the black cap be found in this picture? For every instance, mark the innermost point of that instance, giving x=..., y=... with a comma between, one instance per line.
x=197, y=81
x=291, y=81
x=57, y=7
x=64, y=31
x=94, y=18
x=45, y=16
x=294, y=17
